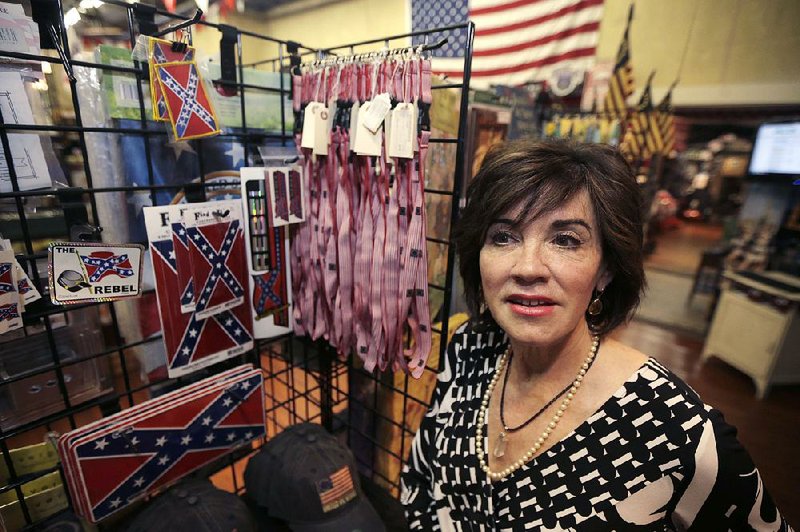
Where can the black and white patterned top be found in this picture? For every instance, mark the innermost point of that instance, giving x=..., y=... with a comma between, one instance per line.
x=653, y=457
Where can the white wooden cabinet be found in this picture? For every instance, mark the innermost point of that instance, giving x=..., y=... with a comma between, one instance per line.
x=753, y=334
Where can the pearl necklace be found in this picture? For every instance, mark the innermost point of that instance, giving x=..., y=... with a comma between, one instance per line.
x=483, y=418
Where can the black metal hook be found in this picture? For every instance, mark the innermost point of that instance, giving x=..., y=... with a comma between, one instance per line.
x=434, y=46
x=47, y=14
x=198, y=14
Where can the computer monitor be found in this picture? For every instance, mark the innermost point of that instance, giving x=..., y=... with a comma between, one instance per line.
x=776, y=150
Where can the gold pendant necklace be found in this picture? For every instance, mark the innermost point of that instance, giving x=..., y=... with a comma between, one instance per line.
x=502, y=439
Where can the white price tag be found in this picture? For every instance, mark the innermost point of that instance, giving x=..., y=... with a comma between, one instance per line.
x=322, y=134
x=377, y=112
x=354, y=124
x=387, y=133
x=367, y=142
x=309, y=123
x=414, y=129
x=400, y=142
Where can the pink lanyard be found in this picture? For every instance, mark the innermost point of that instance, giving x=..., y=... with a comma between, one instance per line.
x=391, y=255
x=360, y=260
x=302, y=277
x=419, y=317
x=379, y=200
x=344, y=217
x=364, y=243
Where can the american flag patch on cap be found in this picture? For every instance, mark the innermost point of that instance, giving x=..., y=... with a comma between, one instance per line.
x=336, y=490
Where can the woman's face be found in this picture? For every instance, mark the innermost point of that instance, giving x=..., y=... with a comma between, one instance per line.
x=538, y=278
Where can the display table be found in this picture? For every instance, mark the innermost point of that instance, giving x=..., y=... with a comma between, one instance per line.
x=756, y=327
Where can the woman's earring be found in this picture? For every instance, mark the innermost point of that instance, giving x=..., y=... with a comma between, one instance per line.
x=596, y=306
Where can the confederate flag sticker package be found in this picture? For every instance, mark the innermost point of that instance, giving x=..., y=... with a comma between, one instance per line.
x=10, y=301
x=93, y=271
x=180, y=241
x=191, y=342
x=217, y=252
x=113, y=462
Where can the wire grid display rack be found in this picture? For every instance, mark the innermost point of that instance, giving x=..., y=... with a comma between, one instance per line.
x=304, y=380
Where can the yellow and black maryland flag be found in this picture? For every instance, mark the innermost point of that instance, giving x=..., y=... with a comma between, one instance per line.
x=643, y=136
x=620, y=86
x=666, y=121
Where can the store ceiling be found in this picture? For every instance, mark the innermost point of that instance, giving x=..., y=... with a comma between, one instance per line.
x=113, y=16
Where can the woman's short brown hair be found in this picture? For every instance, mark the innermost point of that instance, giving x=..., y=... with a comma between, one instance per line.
x=543, y=175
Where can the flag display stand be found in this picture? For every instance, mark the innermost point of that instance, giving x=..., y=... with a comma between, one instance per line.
x=375, y=414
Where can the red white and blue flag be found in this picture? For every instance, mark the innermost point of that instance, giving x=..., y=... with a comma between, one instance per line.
x=269, y=289
x=217, y=253
x=161, y=52
x=190, y=110
x=9, y=296
x=158, y=442
x=102, y=264
x=516, y=41
x=9, y=312
x=6, y=278
x=190, y=341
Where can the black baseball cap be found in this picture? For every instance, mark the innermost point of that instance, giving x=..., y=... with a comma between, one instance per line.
x=305, y=477
x=195, y=505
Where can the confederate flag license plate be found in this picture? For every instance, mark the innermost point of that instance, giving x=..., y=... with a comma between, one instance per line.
x=115, y=461
x=93, y=271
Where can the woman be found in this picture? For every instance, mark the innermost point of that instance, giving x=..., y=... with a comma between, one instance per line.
x=538, y=420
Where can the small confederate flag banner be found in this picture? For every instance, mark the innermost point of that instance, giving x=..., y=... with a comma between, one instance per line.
x=162, y=52
x=269, y=289
x=102, y=264
x=191, y=342
x=113, y=462
x=94, y=271
x=190, y=109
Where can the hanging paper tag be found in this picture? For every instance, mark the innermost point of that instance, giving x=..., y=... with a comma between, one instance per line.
x=414, y=129
x=92, y=271
x=387, y=133
x=377, y=112
x=354, y=124
x=367, y=142
x=400, y=142
x=309, y=124
x=322, y=135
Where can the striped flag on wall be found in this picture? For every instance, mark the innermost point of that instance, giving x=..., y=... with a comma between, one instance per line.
x=620, y=86
x=666, y=121
x=643, y=138
x=516, y=41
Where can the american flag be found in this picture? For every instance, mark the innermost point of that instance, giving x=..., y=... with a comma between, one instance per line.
x=153, y=447
x=516, y=41
x=102, y=264
x=337, y=489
